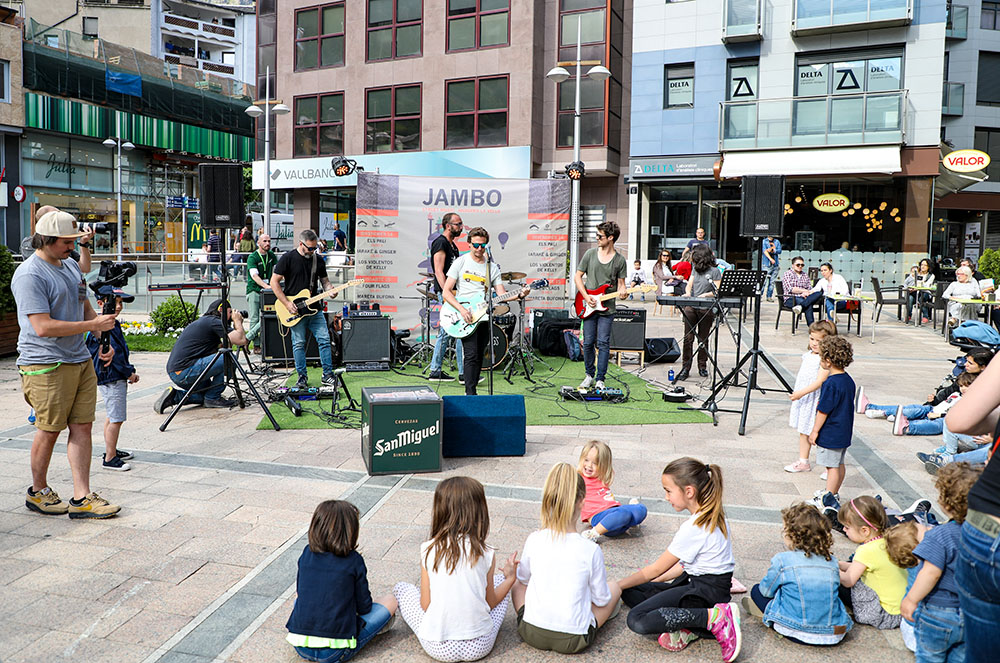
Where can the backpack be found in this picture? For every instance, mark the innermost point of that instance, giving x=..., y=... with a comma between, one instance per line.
x=574, y=349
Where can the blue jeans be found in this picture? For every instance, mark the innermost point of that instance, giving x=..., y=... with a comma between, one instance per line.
x=374, y=621
x=975, y=457
x=952, y=441
x=212, y=389
x=940, y=635
x=806, y=303
x=618, y=519
x=831, y=304
x=437, y=359
x=926, y=427
x=597, y=329
x=772, y=274
x=317, y=325
x=978, y=576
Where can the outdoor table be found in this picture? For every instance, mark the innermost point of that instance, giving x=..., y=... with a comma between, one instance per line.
x=860, y=299
x=919, y=289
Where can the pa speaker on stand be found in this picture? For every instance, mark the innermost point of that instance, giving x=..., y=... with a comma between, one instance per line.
x=221, y=195
x=762, y=206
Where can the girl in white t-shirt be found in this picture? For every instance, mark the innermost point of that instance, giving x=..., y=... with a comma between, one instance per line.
x=562, y=595
x=460, y=605
x=685, y=594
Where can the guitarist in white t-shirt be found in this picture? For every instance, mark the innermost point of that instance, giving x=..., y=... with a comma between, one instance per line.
x=600, y=266
x=468, y=273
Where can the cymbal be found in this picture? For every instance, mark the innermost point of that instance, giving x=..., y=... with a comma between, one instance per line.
x=426, y=292
x=512, y=276
x=429, y=275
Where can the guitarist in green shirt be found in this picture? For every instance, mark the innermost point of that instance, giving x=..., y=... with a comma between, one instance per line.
x=600, y=266
x=260, y=266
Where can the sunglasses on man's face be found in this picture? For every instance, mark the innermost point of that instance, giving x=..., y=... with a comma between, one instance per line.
x=799, y=264
x=477, y=245
x=310, y=248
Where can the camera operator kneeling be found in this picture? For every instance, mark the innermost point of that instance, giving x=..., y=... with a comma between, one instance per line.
x=192, y=353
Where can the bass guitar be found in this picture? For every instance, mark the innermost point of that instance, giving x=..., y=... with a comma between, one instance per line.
x=304, y=303
x=455, y=326
x=584, y=310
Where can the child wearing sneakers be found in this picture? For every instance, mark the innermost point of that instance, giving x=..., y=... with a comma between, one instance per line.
x=606, y=515
x=930, y=423
x=113, y=380
x=834, y=425
x=806, y=395
x=900, y=541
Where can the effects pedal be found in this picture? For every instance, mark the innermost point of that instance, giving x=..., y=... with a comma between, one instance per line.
x=353, y=367
x=590, y=395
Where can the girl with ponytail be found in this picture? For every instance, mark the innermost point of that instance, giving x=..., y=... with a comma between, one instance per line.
x=685, y=594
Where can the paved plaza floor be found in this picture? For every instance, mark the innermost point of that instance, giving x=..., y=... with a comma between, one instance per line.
x=200, y=564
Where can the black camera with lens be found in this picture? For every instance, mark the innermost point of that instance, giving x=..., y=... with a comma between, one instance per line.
x=112, y=275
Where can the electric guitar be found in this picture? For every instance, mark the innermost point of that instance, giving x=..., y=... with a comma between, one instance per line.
x=304, y=303
x=455, y=326
x=584, y=310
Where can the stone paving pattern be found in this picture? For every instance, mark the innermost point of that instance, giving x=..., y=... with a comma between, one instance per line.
x=200, y=564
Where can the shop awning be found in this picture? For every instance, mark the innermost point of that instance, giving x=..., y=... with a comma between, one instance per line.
x=952, y=182
x=824, y=161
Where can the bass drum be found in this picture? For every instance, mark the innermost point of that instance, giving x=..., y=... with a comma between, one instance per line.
x=500, y=342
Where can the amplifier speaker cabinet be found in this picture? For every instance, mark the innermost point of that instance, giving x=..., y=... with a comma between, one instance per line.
x=662, y=350
x=366, y=340
x=762, y=206
x=221, y=186
x=628, y=329
x=276, y=347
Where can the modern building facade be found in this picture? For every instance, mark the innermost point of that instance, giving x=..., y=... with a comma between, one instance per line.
x=217, y=37
x=11, y=124
x=126, y=22
x=454, y=88
x=840, y=97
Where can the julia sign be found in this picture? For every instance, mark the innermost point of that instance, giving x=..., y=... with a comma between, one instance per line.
x=966, y=161
x=831, y=202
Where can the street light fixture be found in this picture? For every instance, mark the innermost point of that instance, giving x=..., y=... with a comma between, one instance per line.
x=119, y=145
x=575, y=170
x=255, y=112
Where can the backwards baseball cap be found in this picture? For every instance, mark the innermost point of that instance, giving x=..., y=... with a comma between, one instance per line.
x=58, y=224
x=106, y=291
x=217, y=306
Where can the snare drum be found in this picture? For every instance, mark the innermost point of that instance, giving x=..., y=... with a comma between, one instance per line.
x=506, y=321
x=500, y=309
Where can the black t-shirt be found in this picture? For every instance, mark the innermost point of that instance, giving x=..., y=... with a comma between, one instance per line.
x=296, y=269
x=985, y=494
x=199, y=339
x=442, y=243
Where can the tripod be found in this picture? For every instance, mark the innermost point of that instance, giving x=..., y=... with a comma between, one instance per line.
x=231, y=364
x=424, y=347
x=352, y=405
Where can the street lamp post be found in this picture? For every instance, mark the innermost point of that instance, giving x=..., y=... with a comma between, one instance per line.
x=119, y=145
x=558, y=75
x=255, y=112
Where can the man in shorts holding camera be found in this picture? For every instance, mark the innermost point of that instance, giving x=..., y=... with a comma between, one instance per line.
x=57, y=374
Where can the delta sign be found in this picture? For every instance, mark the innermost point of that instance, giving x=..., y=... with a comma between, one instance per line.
x=831, y=202
x=966, y=161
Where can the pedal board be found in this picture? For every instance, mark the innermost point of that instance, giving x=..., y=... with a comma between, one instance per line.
x=353, y=367
x=590, y=395
x=310, y=394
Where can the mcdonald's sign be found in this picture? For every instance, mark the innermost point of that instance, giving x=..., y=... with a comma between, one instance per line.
x=196, y=234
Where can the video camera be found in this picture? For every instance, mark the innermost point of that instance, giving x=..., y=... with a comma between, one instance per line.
x=112, y=277
x=97, y=227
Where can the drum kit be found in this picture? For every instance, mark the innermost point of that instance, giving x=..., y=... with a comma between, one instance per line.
x=506, y=334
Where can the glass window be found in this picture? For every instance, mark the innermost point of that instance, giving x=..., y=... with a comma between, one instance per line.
x=988, y=140
x=849, y=77
x=395, y=29
x=988, y=87
x=874, y=73
x=591, y=129
x=885, y=74
x=319, y=37
x=591, y=94
x=591, y=27
x=476, y=113
x=319, y=125
x=478, y=24
x=392, y=119
x=742, y=81
x=988, y=20
x=678, y=86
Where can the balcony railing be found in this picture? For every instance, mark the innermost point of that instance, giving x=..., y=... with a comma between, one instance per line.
x=741, y=20
x=204, y=28
x=953, y=99
x=870, y=118
x=956, y=22
x=825, y=16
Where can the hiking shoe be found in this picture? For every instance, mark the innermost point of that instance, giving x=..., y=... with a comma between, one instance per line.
x=329, y=379
x=901, y=422
x=125, y=455
x=799, y=466
x=302, y=382
x=873, y=413
x=439, y=376
x=677, y=640
x=165, y=400
x=92, y=506
x=219, y=402
x=751, y=607
x=46, y=501
x=725, y=626
x=587, y=382
x=116, y=464
x=591, y=535
x=860, y=401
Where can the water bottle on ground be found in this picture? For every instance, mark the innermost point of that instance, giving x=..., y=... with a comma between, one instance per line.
x=670, y=375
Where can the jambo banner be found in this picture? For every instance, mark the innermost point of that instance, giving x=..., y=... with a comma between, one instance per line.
x=398, y=217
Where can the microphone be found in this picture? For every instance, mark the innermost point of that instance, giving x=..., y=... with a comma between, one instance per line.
x=489, y=252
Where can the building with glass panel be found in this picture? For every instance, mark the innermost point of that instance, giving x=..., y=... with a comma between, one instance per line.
x=840, y=96
x=443, y=87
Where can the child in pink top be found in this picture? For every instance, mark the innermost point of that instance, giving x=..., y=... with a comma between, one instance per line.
x=606, y=515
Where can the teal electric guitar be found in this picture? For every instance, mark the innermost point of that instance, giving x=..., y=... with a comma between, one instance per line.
x=456, y=327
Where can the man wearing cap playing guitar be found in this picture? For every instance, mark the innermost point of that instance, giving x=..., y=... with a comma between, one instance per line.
x=601, y=266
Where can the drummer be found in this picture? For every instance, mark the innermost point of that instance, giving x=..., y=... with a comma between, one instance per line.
x=444, y=252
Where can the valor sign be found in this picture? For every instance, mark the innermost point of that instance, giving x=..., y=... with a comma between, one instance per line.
x=831, y=202
x=966, y=161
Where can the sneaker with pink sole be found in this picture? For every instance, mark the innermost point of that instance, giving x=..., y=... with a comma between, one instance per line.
x=900, y=423
x=799, y=466
x=861, y=402
x=725, y=626
x=677, y=640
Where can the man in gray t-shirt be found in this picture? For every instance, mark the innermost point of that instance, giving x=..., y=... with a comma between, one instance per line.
x=57, y=373
x=600, y=266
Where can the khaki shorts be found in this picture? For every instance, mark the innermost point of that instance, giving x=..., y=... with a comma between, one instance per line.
x=66, y=395
x=546, y=640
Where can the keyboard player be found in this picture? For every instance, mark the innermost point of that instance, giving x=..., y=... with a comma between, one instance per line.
x=704, y=282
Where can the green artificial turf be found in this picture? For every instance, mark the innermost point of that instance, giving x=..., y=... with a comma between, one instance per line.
x=543, y=404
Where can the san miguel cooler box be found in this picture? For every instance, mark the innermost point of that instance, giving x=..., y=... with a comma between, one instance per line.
x=401, y=429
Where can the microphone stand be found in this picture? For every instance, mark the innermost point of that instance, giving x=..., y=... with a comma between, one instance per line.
x=489, y=312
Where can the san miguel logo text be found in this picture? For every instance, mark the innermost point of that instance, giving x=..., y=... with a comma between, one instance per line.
x=407, y=438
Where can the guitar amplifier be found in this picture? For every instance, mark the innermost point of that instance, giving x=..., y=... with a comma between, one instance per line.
x=366, y=341
x=276, y=341
x=628, y=329
x=267, y=299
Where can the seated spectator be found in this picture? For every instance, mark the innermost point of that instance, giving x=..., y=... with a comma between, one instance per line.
x=667, y=283
x=831, y=283
x=637, y=277
x=799, y=293
x=977, y=457
x=921, y=276
x=964, y=287
x=682, y=267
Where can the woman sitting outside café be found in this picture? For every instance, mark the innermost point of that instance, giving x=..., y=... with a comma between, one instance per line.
x=831, y=283
x=924, y=278
x=964, y=287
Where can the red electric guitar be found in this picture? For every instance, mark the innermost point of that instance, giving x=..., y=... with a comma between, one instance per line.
x=583, y=310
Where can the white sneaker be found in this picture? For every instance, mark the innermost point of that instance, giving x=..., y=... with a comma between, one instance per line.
x=599, y=384
x=634, y=500
x=587, y=381
x=872, y=413
x=890, y=418
x=591, y=535
x=797, y=309
x=823, y=476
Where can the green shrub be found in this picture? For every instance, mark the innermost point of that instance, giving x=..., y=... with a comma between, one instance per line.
x=173, y=314
x=6, y=274
x=989, y=264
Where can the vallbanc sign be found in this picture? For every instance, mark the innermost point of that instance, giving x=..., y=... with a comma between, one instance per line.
x=831, y=202
x=966, y=161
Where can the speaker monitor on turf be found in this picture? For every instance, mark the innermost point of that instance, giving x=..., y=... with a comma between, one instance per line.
x=221, y=193
x=483, y=426
x=762, y=206
x=662, y=350
x=365, y=339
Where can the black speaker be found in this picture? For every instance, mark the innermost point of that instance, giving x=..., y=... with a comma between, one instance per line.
x=540, y=315
x=628, y=329
x=483, y=426
x=221, y=195
x=366, y=340
x=762, y=205
x=662, y=350
x=276, y=341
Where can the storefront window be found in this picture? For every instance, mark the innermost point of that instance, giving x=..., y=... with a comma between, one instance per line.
x=872, y=222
